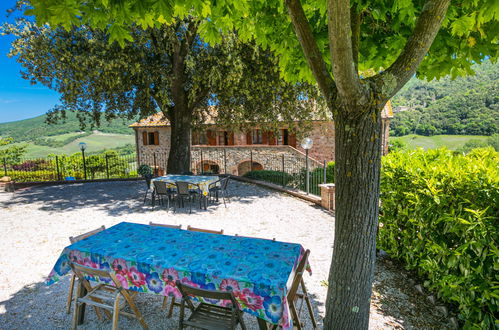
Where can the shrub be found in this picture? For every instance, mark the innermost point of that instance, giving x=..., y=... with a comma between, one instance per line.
x=397, y=145
x=33, y=176
x=472, y=144
x=277, y=177
x=144, y=170
x=440, y=216
x=493, y=141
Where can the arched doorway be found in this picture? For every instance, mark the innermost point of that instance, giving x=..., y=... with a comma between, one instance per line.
x=245, y=167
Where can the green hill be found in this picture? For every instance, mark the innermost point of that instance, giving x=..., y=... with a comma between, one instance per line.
x=464, y=106
x=42, y=139
x=34, y=129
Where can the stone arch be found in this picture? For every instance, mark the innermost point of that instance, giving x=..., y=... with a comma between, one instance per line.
x=245, y=166
x=207, y=166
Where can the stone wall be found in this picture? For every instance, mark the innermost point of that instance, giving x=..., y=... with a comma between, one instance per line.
x=236, y=160
x=268, y=156
x=322, y=134
x=154, y=155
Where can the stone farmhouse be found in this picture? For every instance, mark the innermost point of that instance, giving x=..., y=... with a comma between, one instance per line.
x=217, y=150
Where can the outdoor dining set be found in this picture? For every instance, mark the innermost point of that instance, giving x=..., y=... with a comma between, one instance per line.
x=177, y=190
x=212, y=278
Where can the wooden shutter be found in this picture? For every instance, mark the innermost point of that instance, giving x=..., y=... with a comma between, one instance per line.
x=212, y=137
x=156, y=138
x=144, y=138
x=195, y=138
x=265, y=137
x=231, y=138
x=249, y=140
x=292, y=140
x=272, y=139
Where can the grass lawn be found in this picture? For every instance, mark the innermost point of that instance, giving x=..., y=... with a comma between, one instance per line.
x=452, y=142
x=62, y=137
x=95, y=142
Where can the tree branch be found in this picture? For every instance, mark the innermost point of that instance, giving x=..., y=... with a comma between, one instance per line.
x=340, y=43
x=310, y=50
x=416, y=48
x=201, y=95
x=355, y=22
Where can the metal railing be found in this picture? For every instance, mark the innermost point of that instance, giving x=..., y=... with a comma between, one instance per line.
x=278, y=166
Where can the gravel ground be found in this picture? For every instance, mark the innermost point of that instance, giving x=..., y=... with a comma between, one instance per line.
x=36, y=222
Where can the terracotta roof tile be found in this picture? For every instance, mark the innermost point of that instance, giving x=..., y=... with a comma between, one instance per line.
x=159, y=120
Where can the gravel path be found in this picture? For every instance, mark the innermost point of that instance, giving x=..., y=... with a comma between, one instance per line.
x=36, y=222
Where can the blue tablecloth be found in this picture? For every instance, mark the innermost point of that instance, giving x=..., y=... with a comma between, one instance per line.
x=150, y=259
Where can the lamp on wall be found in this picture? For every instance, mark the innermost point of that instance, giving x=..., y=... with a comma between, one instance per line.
x=83, y=146
x=307, y=144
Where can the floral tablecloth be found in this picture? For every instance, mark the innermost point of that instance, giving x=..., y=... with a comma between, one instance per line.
x=150, y=259
x=203, y=181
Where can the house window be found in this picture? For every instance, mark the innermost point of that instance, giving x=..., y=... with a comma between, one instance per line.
x=282, y=138
x=199, y=138
x=222, y=138
x=150, y=138
x=257, y=136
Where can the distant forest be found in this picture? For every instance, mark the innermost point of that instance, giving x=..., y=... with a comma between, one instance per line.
x=37, y=130
x=464, y=106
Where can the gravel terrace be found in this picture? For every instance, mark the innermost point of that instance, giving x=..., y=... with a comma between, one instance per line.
x=36, y=223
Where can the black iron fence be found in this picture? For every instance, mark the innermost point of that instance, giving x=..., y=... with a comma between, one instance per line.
x=74, y=167
x=277, y=166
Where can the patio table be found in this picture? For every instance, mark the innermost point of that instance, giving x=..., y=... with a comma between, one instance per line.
x=150, y=259
x=203, y=181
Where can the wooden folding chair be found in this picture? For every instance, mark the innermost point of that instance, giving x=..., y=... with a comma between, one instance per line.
x=165, y=225
x=207, y=316
x=294, y=297
x=74, y=239
x=209, y=231
x=173, y=302
x=105, y=296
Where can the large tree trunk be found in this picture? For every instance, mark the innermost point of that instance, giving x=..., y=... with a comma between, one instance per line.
x=179, y=159
x=358, y=162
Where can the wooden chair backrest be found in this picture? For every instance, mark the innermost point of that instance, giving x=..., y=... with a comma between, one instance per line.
x=160, y=187
x=187, y=290
x=298, y=276
x=209, y=231
x=82, y=271
x=74, y=239
x=182, y=188
x=165, y=225
x=273, y=239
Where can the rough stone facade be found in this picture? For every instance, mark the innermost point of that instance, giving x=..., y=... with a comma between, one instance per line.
x=237, y=160
x=155, y=156
x=322, y=134
x=217, y=150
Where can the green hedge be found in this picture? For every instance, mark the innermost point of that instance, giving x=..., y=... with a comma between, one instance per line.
x=440, y=216
x=32, y=176
x=277, y=177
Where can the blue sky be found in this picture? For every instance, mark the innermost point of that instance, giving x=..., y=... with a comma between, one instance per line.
x=18, y=98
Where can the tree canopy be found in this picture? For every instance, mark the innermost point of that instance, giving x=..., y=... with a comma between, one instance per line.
x=167, y=67
x=468, y=33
